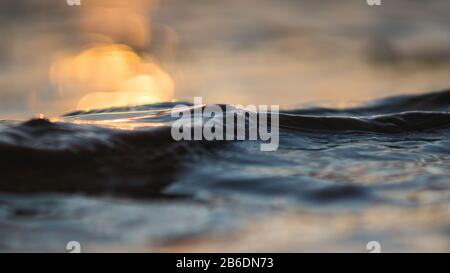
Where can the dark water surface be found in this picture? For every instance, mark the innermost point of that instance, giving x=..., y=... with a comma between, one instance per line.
x=114, y=180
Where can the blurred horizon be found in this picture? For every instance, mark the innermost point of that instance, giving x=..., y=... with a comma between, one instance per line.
x=56, y=58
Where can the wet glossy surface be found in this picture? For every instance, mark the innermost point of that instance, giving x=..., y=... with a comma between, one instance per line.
x=105, y=179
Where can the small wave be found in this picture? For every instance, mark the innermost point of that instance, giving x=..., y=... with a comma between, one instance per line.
x=390, y=123
x=41, y=156
x=83, y=153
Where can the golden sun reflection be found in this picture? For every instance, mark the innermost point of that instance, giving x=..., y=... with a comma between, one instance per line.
x=122, y=124
x=111, y=75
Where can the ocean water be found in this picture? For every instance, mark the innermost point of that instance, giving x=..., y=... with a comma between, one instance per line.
x=351, y=167
x=114, y=180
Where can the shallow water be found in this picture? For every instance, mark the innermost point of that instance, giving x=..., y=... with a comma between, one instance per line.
x=114, y=180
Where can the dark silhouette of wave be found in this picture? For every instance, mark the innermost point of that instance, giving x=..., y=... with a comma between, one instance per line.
x=42, y=156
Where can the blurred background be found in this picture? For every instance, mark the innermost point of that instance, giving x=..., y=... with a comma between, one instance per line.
x=56, y=58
